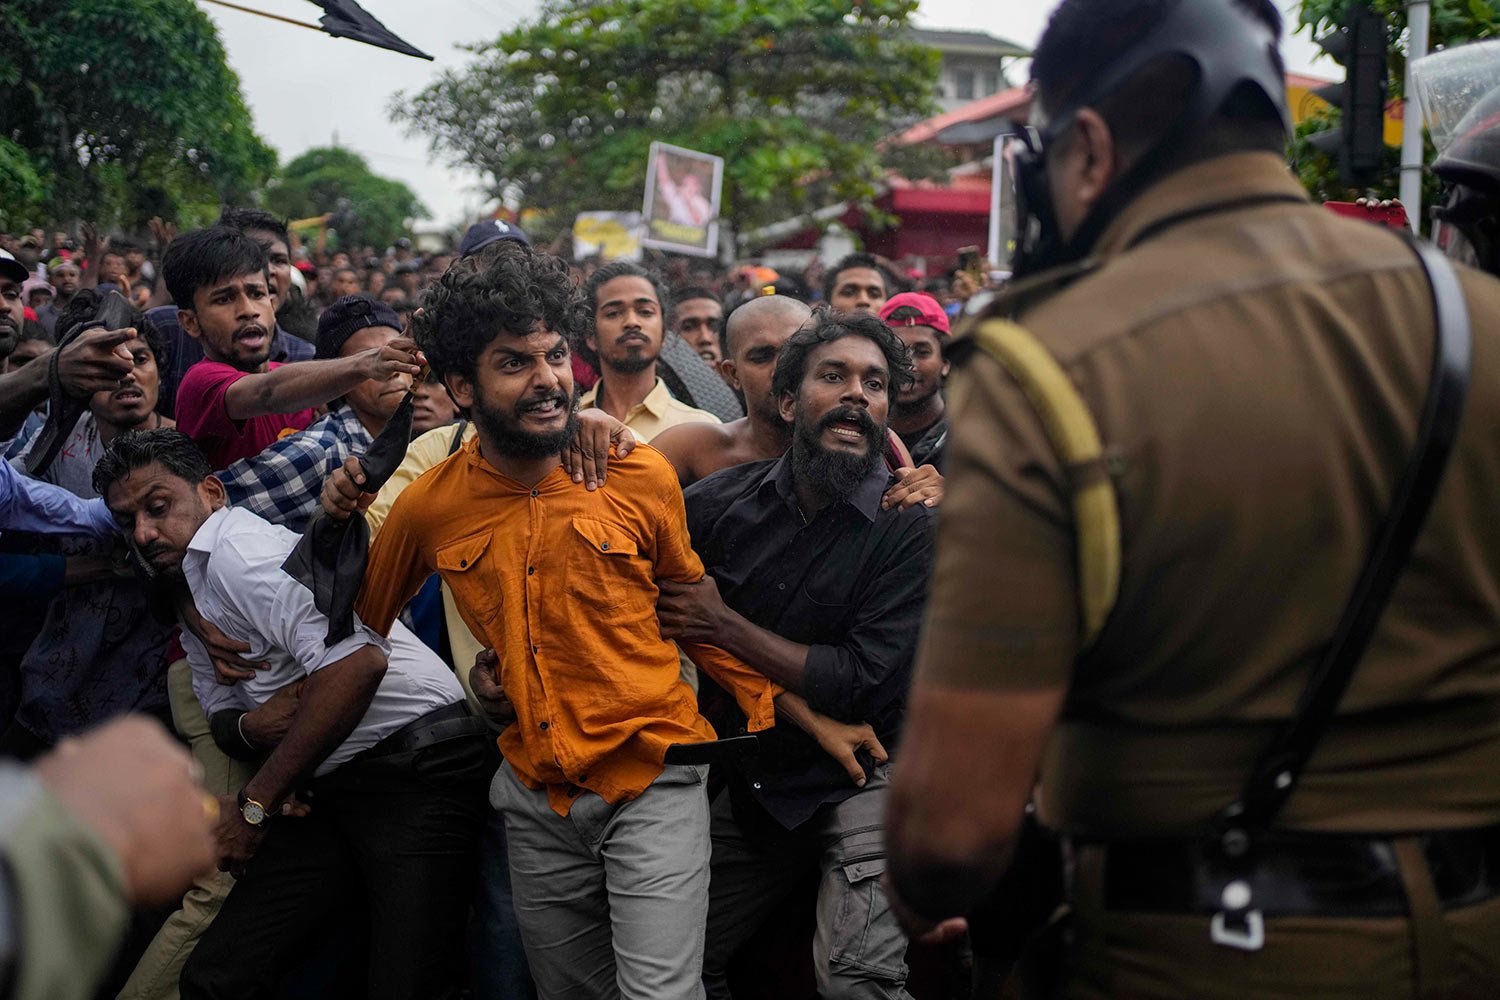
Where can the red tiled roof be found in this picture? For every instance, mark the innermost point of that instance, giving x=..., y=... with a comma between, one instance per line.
x=1310, y=82
x=986, y=107
x=1009, y=101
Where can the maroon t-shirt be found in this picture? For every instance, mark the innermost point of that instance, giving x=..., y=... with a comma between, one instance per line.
x=201, y=415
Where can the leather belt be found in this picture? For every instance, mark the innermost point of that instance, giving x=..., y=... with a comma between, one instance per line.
x=1301, y=874
x=437, y=726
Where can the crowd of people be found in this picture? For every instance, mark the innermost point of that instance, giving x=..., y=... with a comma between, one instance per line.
x=355, y=772
x=530, y=627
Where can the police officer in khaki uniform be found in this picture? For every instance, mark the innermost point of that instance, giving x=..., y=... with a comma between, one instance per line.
x=1255, y=367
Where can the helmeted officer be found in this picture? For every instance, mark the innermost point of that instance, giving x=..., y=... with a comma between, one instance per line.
x=1254, y=367
x=1460, y=92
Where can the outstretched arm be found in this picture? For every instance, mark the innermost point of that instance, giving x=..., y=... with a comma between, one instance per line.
x=28, y=504
x=995, y=662
x=306, y=384
x=92, y=362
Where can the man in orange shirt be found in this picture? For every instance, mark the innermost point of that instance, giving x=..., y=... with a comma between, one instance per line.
x=608, y=845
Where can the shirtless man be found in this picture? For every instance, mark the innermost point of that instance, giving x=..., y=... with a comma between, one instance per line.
x=753, y=336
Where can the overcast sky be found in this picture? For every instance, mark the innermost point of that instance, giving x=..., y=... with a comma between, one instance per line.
x=304, y=87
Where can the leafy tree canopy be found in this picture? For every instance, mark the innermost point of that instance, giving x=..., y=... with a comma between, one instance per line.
x=368, y=210
x=21, y=190
x=125, y=111
x=796, y=95
x=1454, y=22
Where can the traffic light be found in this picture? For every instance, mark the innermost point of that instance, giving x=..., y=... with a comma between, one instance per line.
x=1358, y=143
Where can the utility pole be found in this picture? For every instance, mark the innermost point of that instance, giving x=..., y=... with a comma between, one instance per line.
x=1419, y=27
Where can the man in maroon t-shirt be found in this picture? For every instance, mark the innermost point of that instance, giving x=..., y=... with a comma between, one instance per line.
x=234, y=402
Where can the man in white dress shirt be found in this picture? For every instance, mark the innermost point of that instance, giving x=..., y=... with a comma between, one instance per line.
x=377, y=730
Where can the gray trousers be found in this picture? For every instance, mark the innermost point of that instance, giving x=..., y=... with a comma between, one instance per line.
x=859, y=949
x=611, y=900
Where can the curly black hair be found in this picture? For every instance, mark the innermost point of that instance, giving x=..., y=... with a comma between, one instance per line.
x=177, y=452
x=82, y=307
x=829, y=325
x=507, y=286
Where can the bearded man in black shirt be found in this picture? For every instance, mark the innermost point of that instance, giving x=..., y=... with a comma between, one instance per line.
x=815, y=585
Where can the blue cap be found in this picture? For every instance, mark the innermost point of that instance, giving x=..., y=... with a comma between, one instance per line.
x=482, y=234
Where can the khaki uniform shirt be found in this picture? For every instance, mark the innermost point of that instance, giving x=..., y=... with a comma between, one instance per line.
x=1256, y=372
x=67, y=909
x=654, y=414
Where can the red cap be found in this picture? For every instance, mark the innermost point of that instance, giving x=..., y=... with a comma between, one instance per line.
x=932, y=313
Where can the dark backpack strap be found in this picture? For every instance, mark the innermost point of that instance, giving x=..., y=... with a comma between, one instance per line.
x=458, y=436
x=1280, y=766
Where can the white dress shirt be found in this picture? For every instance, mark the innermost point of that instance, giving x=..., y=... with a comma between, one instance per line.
x=233, y=568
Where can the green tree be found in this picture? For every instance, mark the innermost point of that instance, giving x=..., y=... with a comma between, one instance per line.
x=21, y=190
x=796, y=95
x=126, y=110
x=1454, y=22
x=369, y=210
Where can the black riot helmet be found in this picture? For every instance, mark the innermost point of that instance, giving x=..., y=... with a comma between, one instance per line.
x=1228, y=47
x=1459, y=90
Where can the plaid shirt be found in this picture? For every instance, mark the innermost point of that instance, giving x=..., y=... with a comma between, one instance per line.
x=282, y=483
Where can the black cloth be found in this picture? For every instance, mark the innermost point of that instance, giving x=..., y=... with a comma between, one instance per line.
x=330, y=559
x=851, y=585
x=930, y=446
x=401, y=834
x=111, y=312
x=690, y=379
x=347, y=19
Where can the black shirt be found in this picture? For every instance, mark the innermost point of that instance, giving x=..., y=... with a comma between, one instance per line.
x=851, y=585
x=930, y=446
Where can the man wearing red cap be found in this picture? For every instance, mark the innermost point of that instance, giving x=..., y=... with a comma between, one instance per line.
x=918, y=416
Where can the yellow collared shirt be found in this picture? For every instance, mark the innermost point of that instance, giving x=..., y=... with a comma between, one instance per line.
x=654, y=414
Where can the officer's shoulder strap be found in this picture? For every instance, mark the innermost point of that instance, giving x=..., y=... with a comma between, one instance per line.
x=1075, y=437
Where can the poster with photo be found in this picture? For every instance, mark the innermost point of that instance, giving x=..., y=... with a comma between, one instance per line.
x=682, y=200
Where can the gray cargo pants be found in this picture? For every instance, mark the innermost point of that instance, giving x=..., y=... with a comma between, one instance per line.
x=859, y=950
x=611, y=900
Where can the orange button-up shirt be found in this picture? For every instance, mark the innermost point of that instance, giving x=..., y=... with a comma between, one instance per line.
x=562, y=584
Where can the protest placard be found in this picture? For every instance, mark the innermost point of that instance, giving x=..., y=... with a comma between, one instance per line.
x=682, y=200
x=609, y=235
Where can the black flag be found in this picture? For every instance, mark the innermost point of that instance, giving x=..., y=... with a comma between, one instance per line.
x=347, y=19
x=693, y=382
x=330, y=559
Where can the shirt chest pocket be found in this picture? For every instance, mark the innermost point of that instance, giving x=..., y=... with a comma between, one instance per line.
x=825, y=605
x=605, y=567
x=468, y=567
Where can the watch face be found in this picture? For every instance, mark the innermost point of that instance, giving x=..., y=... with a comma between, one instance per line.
x=254, y=813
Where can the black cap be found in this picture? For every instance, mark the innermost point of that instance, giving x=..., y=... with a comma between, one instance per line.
x=482, y=234
x=348, y=316
x=12, y=268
